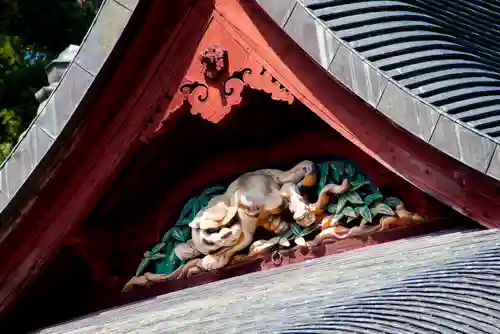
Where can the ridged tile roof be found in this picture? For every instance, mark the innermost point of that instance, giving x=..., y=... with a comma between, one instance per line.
x=445, y=283
x=431, y=66
x=445, y=51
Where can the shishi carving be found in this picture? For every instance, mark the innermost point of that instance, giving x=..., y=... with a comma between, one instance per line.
x=214, y=62
x=228, y=223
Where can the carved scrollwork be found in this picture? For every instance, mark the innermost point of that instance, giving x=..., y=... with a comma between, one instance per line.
x=213, y=96
x=263, y=80
x=195, y=90
x=211, y=99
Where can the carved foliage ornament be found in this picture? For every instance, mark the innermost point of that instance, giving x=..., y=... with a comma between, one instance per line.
x=217, y=228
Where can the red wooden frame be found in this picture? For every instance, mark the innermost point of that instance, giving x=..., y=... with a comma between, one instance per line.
x=169, y=37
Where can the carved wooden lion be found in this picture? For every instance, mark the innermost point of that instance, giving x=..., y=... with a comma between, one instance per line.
x=228, y=223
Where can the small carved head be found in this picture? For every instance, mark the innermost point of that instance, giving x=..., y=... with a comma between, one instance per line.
x=214, y=62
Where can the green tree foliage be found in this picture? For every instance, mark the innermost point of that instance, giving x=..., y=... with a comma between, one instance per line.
x=46, y=26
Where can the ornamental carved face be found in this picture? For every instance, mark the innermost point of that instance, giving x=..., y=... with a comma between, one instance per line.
x=214, y=62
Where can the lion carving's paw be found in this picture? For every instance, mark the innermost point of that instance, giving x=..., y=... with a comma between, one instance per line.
x=186, y=251
x=213, y=261
x=260, y=246
x=303, y=215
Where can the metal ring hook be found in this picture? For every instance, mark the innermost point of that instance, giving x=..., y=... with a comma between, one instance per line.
x=277, y=258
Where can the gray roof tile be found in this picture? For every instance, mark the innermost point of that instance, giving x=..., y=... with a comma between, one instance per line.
x=358, y=76
x=441, y=55
x=101, y=38
x=413, y=115
x=61, y=105
x=278, y=10
x=409, y=38
x=463, y=144
x=443, y=283
x=312, y=36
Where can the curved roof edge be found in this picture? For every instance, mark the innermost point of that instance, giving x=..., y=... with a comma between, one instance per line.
x=76, y=82
x=401, y=106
